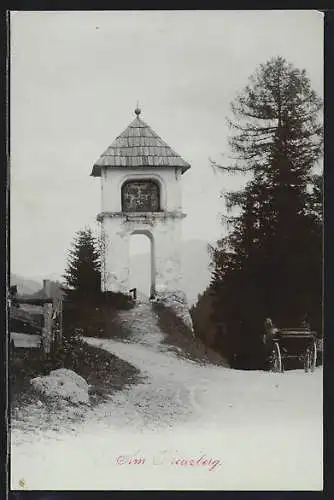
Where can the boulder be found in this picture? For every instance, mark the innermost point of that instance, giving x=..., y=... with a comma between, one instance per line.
x=62, y=384
x=66, y=374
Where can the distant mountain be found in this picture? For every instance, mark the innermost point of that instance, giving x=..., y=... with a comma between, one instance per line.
x=196, y=274
x=55, y=291
x=25, y=286
x=50, y=276
x=195, y=264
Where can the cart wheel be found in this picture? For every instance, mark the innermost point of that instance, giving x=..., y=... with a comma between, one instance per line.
x=307, y=360
x=276, y=359
x=310, y=358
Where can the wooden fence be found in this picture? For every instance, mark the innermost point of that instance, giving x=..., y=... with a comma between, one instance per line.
x=51, y=332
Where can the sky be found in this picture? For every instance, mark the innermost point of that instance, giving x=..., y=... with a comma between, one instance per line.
x=75, y=79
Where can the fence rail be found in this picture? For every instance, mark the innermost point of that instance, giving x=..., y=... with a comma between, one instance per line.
x=51, y=331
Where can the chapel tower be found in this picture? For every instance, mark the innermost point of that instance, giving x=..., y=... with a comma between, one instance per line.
x=141, y=194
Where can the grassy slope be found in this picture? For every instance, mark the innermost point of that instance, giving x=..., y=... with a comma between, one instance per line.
x=102, y=370
x=179, y=336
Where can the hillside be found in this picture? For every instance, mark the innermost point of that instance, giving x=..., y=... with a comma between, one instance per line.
x=55, y=291
x=25, y=286
x=30, y=287
x=196, y=272
x=186, y=424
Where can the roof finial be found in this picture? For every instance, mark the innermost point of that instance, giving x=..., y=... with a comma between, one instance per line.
x=137, y=110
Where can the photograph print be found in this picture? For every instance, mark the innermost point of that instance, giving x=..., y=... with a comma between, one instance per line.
x=166, y=249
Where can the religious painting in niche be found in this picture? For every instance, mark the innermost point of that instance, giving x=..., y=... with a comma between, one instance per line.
x=140, y=196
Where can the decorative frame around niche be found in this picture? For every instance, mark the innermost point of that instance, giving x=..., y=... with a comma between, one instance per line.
x=141, y=195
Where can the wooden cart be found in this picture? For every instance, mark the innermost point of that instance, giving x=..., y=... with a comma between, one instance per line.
x=293, y=343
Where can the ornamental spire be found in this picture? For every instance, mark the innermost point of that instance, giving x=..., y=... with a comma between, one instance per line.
x=137, y=110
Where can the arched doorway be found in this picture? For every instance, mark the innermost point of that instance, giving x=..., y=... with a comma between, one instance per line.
x=142, y=263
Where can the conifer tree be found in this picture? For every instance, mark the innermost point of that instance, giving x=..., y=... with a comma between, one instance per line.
x=82, y=276
x=270, y=263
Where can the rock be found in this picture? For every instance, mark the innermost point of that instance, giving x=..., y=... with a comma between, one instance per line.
x=176, y=301
x=66, y=374
x=62, y=384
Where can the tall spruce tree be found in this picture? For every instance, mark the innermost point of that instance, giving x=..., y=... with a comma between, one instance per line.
x=270, y=263
x=82, y=276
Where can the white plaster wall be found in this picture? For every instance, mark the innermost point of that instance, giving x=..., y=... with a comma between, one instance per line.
x=166, y=236
x=170, y=180
x=116, y=256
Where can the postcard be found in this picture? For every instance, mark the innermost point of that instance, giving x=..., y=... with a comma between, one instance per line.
x=166, y=216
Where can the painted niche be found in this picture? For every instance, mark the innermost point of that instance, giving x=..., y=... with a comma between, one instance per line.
x=140, y=196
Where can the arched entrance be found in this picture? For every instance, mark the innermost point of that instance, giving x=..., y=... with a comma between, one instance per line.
x=141, y=193
x=142, y=262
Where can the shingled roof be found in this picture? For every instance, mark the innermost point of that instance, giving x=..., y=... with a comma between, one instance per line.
x=139, y=146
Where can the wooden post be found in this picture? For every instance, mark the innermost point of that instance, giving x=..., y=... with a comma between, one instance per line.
x=60, y=320
x=47, y=327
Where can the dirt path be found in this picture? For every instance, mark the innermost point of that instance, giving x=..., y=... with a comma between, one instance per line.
x=265, y=429
x=182, y=390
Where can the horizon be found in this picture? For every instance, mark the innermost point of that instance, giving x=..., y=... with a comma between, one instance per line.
x=53, y=275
